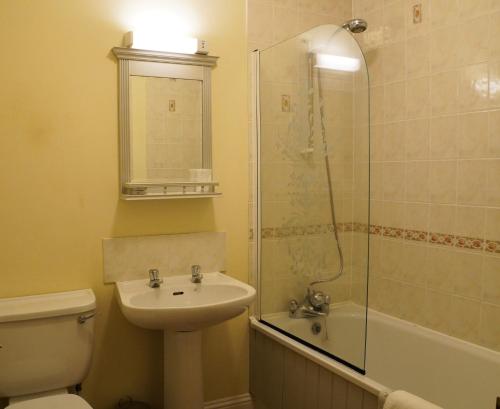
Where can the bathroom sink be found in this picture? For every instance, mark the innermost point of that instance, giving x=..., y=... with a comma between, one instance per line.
x=180, y=305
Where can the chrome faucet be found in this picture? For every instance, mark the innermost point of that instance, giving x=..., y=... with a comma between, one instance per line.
x=154, y=278
x=196, y=275
x=315, y=304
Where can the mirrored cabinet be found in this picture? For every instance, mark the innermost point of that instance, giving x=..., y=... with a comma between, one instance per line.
x=165, y=124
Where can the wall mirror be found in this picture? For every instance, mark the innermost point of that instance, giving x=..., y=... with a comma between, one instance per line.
x=165, y=124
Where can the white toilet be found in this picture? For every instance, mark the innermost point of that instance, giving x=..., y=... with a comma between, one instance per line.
x=45, y=347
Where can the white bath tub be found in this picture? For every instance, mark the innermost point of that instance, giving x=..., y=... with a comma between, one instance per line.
x=400, y=355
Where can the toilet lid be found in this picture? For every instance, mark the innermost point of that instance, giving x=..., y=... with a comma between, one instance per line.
x=66, y=401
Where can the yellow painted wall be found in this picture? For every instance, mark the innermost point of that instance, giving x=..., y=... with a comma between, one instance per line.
x=59, y=173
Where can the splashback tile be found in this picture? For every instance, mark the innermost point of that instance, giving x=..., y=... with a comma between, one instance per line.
x=128, y=258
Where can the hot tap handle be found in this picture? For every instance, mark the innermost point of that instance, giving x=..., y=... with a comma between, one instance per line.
x=154, y=274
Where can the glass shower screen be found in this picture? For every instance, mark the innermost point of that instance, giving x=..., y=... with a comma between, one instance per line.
x=313, y=191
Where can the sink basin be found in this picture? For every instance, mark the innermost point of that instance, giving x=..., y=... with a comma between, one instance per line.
x=180, y=305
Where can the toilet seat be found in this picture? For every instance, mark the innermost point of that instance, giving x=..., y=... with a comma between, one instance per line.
x=64, y=401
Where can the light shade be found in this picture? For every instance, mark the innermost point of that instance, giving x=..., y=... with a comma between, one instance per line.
x=149, y=40
x=337, y=62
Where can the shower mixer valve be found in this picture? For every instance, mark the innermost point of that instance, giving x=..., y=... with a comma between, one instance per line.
x=315, y=304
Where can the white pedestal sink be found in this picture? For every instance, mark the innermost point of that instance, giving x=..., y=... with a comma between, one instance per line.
x=181, y=309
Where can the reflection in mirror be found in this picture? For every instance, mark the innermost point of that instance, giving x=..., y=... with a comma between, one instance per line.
x=165, y=124
x=166, y=128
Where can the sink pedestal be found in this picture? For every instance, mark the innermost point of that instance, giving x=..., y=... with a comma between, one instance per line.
x=183, y=376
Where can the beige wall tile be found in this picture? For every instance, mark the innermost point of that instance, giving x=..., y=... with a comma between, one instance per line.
x=493, y=185
x=293, y=4
x=467, y=274
x=444, y=12
x=366, y=6
x=444, y=48
x=375, y=61
x=418, y=139
x=394, y=141
x=444, y=93
x=473, y=44
x=473, y=135
x=494, y=133
x=311, y=6
x=417, y=98
x=494, y=78
x=489, y=331
x=439, y=274
x=474, y=8
x=394, y=19
x=464, y=318
x=472, y=182
x=393, y=214
x=443, y=182
x=491, y=280
x=416, y=216
x=442, y=218
x=417, y=181
x=437, y=309
x=377, y=142
x=473, y=88
x=492, y=229
x=494, y=33
x=377, y=104
x=394, y=180
x=412, y=303
x=260, y=30
x=395, y=101
x=418, y=56
x=285, y=23
x=444, y=132
x=391, y=251
x=470, y=221
x=414, y=264
x=376, y=181
x=394, y=59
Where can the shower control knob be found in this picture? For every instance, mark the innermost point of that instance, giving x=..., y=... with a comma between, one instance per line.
x=318, y=299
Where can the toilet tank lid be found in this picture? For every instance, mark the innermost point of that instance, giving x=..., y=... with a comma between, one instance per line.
x=46, y=305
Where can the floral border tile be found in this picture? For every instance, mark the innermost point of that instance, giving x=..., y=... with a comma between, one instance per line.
x=492, y=246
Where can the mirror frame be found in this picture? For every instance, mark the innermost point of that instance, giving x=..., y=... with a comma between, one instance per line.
x=133, y=61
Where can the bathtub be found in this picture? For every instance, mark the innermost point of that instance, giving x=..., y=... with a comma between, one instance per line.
x=400, y=355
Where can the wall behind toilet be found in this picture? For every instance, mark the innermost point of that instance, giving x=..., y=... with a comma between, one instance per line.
x=59, y=174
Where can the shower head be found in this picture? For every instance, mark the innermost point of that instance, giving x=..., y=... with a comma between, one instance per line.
x=356, y=25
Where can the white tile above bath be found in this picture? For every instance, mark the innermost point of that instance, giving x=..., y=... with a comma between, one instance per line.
x=128, y=258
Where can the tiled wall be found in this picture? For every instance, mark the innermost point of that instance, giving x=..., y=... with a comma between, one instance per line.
x=435, y=187
x=435, y=154
x=166, y=127
x=130, y=258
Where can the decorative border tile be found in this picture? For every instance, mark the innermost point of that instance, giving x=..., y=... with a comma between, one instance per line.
x=492, y=246
x=394, y=232
x=416, y=235
x=469, y=243
x=442, y=239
